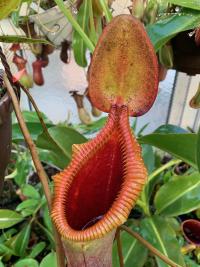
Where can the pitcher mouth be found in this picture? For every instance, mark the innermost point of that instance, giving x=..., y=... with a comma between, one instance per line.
x=97, y=191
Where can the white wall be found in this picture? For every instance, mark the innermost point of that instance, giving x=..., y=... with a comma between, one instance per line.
x=55, y=101
x=181, y=113
x=53, y=97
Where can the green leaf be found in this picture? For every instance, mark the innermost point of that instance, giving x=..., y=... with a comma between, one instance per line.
x=22, y=240
x=148, y=156
x=27, y=263
x=193, y=4
x=15, y=17
x=28, y=211
x=29, y=191
x=9, y=218
x=158, y=232
x=166, y=28
x=37, y=249
x=35, y=128
x=6, y=251
x=148, y=189
x=106, y=10
x=23, y=168
x=170, y=128
x=134, y=253
x=190, y=263
x=179, y=196
x=60, y=149
x=75, y=24
x=31, y=116
x=182, y=146
x=7, y=6
x=27, y=204
x=22, y=39
x=47, y=219
x=92, y=31
x=91, y=128
x=198, y=151
x=8, y=247
x=174, y=223
x=7, y=234
x=48, y=234
x=79, y=46
x=1, y=264
x=49, y=260
x=99, y=26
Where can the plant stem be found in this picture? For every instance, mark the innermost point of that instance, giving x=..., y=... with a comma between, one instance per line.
x=75, y=24
x=39, y=168
x=38, y=165
x=93, y=35
x=51, y=238
x=149, y=246
x=36, y=109
x=143, y=203
x=119, y=248
x=140, y=203
x=164, y=167
x=106, y=10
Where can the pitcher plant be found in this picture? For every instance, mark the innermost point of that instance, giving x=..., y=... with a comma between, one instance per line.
x=96, y=192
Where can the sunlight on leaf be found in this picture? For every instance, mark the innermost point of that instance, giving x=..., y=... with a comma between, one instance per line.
x=7, y=6
x=9, y=218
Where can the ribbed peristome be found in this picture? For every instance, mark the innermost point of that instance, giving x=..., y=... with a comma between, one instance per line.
x=134, y=175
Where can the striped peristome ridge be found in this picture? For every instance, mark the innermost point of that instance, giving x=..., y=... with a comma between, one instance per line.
x=134, y=175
